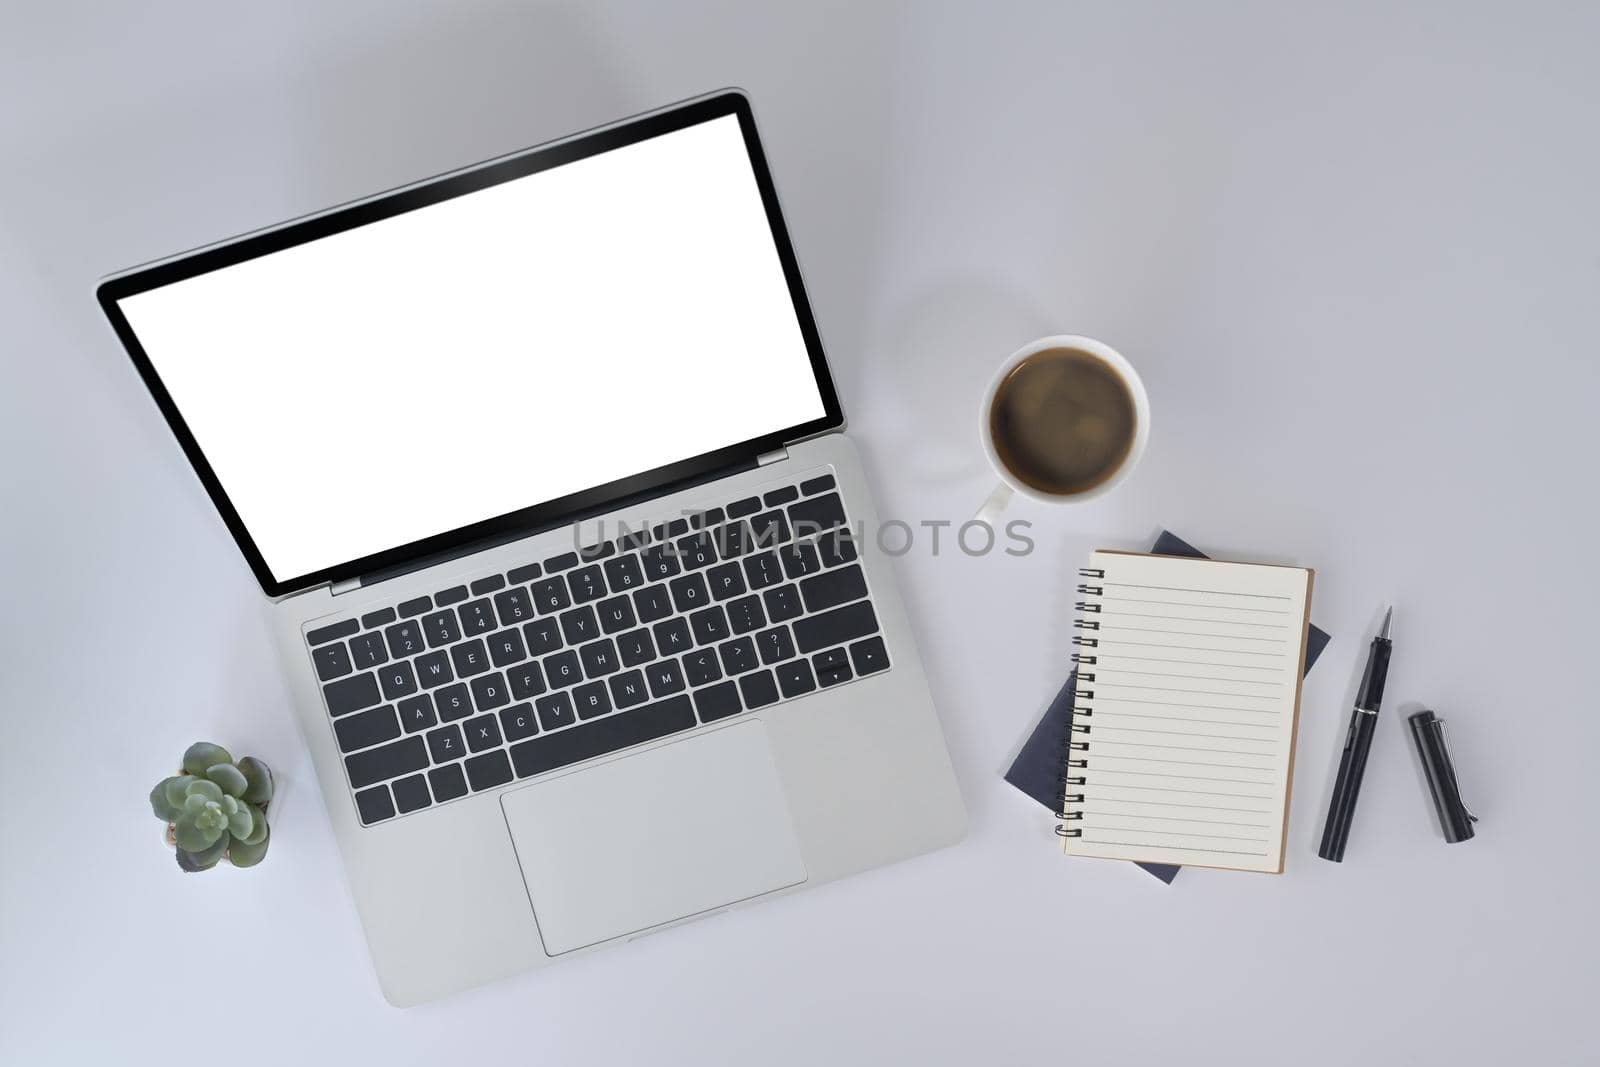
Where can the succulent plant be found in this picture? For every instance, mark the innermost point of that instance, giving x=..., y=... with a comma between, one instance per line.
x=215, y=808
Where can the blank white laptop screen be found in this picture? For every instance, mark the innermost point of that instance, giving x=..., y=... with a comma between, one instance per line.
x=480, y=355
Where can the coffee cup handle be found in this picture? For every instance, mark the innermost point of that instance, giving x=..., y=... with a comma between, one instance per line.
x=994, y=505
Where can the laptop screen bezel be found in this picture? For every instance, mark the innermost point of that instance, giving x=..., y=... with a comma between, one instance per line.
x=499, y=528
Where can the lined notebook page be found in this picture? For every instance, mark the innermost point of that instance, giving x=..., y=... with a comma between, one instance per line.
x=1191, y=697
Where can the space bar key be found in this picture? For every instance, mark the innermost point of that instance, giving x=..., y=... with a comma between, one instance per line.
x=599, y=736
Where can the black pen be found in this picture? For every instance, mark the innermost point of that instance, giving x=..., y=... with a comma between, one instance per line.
x=1353, y=763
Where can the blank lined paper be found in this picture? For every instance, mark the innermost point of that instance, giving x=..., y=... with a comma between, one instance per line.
x=1189, y=690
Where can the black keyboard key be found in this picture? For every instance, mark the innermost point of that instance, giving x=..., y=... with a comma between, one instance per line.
x=477, y=617
x=624, y=574
x=518, y=722
x=433, y=669
x=332, y=661
x=628, y=689
x=665, y=677
x=635, y=647
x=448, y=782
x=762, y=570
x=816, y=485
x=706, y=519
x=631, y=539
x=652, y=604
x=555, y=711
x=564, y=562
x=832, y=667
x=416, y=713
x=454, y=595
x=405, y=639
x=562, y=670
x=483, y=733
x=505, y=648
x=599, y=658
x=489, y=691
x=660, y=561
x=587, y=585
x=484, y=586
x=734, y=539
x=374, y=805
x=616, y=614
x=322, y=636
x=869, y=656
x=526, y=681
x=441, y=628
x=597, y=552
x=689, y=593
x=726, y=580
x=672, y=637
x=411, y=794
x=412, y=608
x=550, y=595
x=591, y=700
x=837, y=547
x=829, y=590
x=701, y=666
x=780, y=496
x=738, y=655
x=524, y=574
x=718, y=701
x=783, y=603
x=710, y=625
x=366, y=729
x=815, y=514
x=390, y=761
x=769, y=530
x=799, y=560
x=696, y=551
x=514, y=606
x=542, y=637
x=367, y=650
x=579, y=625
x=445, y=744
x=745, y=615
x=758, y=689
x=488, y=770
x=794, y=678
x=453, y=702
x=606, y=734
x=374, y=619
x=775, y=645
x=835, y=627
x=670, y=530
x=470, y=658
x=740, y=508
x=398, y=680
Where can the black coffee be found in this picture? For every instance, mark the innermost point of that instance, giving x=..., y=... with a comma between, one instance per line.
x=1063, y=421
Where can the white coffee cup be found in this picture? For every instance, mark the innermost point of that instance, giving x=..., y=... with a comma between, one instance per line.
x=1010, y=485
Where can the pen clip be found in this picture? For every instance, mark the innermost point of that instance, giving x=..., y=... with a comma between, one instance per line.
x=1450, y=756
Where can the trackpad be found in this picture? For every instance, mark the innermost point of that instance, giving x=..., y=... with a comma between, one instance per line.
x=648, y=839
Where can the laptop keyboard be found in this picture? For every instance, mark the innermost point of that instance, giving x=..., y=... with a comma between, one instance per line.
x=548, y=664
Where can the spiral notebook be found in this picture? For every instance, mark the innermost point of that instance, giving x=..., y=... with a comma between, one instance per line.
x=1184, y=717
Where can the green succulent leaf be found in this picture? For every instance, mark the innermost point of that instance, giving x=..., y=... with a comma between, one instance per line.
x=229, y=777
x=205, y=788
x=247, y=854
x=258, y=791
x=205, y=859
x=203, y=755
x=258, y=828
x=192, y=837
x=240, y=823
x=213, y=820
x=161, y=803
x=194, y=804
x=229, y=805
x=177, y=788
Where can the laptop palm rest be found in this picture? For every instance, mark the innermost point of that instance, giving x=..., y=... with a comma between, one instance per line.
x=648, y=839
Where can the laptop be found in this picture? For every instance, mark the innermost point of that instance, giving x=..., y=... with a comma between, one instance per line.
x=571, y=565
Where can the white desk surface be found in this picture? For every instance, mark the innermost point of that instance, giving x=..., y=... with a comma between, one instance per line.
x=1354, y=253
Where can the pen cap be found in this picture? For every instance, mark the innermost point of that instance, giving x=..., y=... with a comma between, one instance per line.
x=1427, y=732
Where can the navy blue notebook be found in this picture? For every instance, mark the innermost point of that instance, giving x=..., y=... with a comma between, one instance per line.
x=1037, y=769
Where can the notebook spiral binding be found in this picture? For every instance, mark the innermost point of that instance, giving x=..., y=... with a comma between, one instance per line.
x=1075, y=752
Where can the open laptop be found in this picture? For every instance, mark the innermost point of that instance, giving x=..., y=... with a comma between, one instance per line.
x=572, y=567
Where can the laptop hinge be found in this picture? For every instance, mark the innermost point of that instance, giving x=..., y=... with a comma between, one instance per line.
x=772, y=457
x=345, y=586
